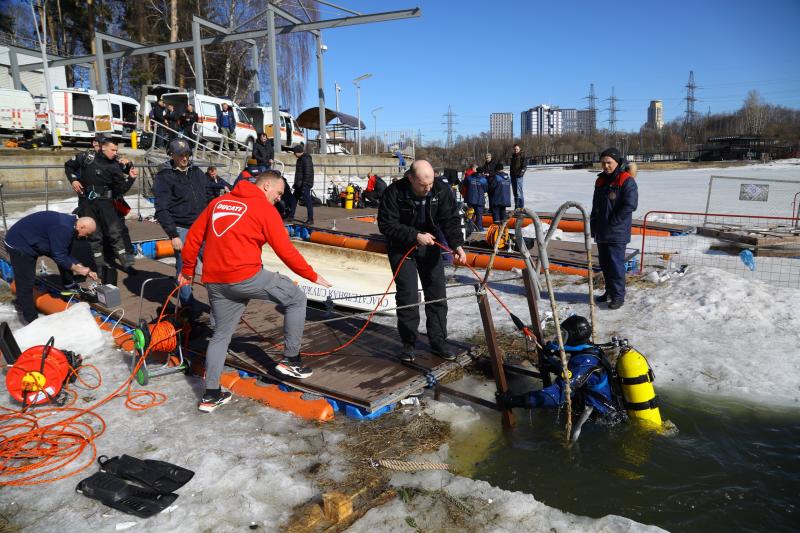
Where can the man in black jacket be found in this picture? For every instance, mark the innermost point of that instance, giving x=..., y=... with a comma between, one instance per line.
x=157, y=122
x=303, y=182
x=99, y=178
x=263, y=152
x=181, y=195
x=517, y=171
x=187, y=121
x=412, y=211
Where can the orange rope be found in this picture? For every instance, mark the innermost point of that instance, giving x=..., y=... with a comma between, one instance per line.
x=33, y=448
x=377, y=306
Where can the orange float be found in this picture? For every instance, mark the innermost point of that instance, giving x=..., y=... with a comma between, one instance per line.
x=273, y=396
x=512, y=222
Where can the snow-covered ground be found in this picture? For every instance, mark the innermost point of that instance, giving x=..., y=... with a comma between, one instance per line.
x=709, y=331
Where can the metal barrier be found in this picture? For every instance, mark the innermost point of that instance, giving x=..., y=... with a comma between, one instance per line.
x=766, y=248
x=56, y=190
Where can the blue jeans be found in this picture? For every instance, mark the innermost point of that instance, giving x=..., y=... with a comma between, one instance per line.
x=516, y=186
x=185, y=293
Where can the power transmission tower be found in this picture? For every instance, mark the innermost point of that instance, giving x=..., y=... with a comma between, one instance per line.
x=449, y=122
x=612, y=112
x=690, y=112
x=419, y=137
x=592, y=109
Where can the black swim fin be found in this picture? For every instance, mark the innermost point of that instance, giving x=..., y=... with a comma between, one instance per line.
x=158, y=475
x=124, y=496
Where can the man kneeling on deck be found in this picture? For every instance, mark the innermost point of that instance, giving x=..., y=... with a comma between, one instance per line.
x=235, y=227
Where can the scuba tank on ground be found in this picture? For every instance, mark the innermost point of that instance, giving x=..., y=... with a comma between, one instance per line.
x=349, y=196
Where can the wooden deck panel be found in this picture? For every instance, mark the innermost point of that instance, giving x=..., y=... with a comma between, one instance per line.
x=758, y=237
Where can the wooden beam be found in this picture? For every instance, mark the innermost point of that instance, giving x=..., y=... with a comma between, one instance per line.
x=495, y=352
x=536, y=324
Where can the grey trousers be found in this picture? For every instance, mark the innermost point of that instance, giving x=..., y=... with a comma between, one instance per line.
x=228, y=302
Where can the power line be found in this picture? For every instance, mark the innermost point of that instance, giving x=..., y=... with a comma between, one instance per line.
x=449, y=122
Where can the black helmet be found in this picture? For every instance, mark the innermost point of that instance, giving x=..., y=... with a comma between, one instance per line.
x=576, y=330
x=179, y=146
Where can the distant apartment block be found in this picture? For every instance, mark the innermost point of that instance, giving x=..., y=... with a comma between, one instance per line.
x=569, y=121
x=541, y=120
x=501, y=126
x=655, y=115
x=586, y=121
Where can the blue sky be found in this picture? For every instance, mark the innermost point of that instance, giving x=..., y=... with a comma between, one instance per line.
x=503, y=55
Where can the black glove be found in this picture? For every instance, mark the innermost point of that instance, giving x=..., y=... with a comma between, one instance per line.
x=508, y=400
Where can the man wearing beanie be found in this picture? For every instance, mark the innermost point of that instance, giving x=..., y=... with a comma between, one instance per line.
x=615, y=199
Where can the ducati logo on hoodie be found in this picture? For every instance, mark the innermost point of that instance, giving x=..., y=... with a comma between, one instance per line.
x=226, y=214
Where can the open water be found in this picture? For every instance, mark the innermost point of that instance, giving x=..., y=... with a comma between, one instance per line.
x=726, y=466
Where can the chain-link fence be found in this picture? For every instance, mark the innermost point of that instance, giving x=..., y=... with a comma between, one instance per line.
x=766, y=248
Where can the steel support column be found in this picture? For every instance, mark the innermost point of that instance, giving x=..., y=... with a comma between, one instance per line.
x=199, y=83
x=100, y=64
x=273, y=79
x=323, y=141
x=12, y=56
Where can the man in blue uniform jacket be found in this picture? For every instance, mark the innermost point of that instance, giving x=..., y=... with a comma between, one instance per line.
x=46, y=233
x=615, y=199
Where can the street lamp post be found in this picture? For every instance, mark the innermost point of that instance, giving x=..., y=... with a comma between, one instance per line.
x=375, y=124
x=358, y=106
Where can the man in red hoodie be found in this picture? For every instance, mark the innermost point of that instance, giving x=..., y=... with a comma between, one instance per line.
x=235, y=227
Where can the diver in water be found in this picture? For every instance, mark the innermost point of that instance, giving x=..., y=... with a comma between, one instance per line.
x=590, y=375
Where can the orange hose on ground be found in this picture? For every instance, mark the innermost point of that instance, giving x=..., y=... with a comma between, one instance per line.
x=273, y=396
x=32, y=447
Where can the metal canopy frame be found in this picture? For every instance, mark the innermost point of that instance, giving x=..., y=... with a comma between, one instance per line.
x=231, y=35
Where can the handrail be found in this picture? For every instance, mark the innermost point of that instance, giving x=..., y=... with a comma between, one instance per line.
x=544, y=262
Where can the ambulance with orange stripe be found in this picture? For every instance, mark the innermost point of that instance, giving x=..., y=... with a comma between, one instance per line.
x=77, y=115
x=261, y=117
x=17, y=113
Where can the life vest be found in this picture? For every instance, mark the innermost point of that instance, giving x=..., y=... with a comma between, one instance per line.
x=618, y=181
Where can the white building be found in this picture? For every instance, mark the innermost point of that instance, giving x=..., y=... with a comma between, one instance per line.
x=501, y=126
x=569, y=121
x=541, y=120
x=32, y=80
x=655, y=115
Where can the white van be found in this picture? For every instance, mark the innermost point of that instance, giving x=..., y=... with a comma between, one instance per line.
x=78, y=116
x=261, y=117
x=206, y=108
x=124, y=114
x=17, y=113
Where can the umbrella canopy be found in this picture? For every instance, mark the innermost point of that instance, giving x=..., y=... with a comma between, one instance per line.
x=309, y=119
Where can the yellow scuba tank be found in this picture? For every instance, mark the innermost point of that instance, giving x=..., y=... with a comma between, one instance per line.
x=348, y=201
x=636, y=380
